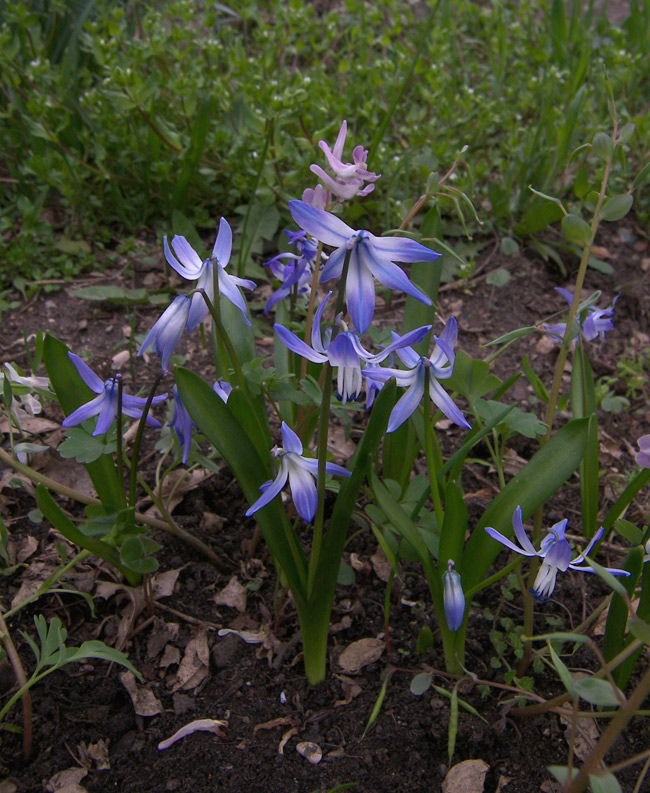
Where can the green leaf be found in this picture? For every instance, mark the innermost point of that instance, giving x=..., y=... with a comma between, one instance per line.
x=97, y=649
x=346, y=575
x=454, y=525
x=603, y=146
x=513, y=335
x=424, y=642
x=516, y=420
x=509, y=247
x=617, y=207
x=537, y=481
x=421, y=683
x=111, y=294
x=135, y=553
x=84, y=447
x=618, y=611
x=498, y=277
x=640, y=629
x=472, y=378
x=533, y=378
x=563, y=672
x=576, y=229
x=71, y=392
x=597, y=692
x=604, y=783
x=642, y=176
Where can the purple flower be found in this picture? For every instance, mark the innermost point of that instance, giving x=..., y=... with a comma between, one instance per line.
x=296, y=272
x=105, y=405
x=190, y=266
x=440, y=366
x=554, y=550
x=345, y=353
x=643, y=455
x=453, y=598
x=595, y=322
x=183, y=425
x=370, y=258
x=348, y=180
x=222, y=388
x=301, y=473
x=167, y=331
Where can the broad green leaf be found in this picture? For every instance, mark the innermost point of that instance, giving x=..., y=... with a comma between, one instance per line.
x=642, y=176
x=603, y=146
x=498, y=277
x=84, y=447
x=596, y=692
x=111, y=294
x=217, y=422
x=454, y=526
x=97, y=649
x=472, y=378
x=533, y=378
x=537, y=481
x=617, y=207
x=576, y=229
x=563, y=672
x=136, y=555
x=640, y=630
x=604, y=783
x=513, y=335
x=515, y=420
x=421, y=683
x=71, y=392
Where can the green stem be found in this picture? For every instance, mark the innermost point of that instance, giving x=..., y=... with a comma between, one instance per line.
x=138, y=439
x=215, y=312
x=119, y=454
x=23, y=689
x=429, y=452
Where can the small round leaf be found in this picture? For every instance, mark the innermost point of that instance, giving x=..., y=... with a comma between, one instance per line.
x=603, y=146
x=616, y=207
x=576, y=229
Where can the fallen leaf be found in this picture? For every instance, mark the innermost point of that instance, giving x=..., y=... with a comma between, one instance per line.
x=285, y=738
x=351, y=689
x=142, y=697
x=360, y=654
x=359, y=564
x=310, y=751
x=249, y=637
x=232, y=595
x=269, y=725
x=204, y=725
x=194, y=668
x=172, y=655
x=162, y=584
x=94, y=754
x=67, y=781
x=26, y=548
x=161, y=634
x=466, y=777
x=381, y=565
x=586, y=736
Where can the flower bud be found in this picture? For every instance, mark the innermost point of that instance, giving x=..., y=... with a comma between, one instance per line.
x=454, y=599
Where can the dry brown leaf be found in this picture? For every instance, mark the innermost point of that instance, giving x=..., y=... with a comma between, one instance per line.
x=94, y=754
x=142, y=697
x=162, y=584
x=172, y=655
x=232, y=595
x=360, y=654
x=31, y=582
x=351, y=690
x=310, y=751
x=359, y=564
x=341, y=447
x=381, y=565
x=176, y=485
x=194, y=668
x=26, y=548
x=288, y=734
x=586, y=736
x=466, y=777
x=72, y=474
x=67, y=781
x=7, y=786
x=34, y=425
x=161, y=634
x=269, y=725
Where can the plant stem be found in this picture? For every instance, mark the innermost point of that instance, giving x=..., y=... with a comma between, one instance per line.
x=138, y=440
x=429, y=453
x=21, y=679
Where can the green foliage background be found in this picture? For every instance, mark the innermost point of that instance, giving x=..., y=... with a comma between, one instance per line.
x=131, y=115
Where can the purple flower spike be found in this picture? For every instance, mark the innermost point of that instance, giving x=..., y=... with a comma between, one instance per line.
x=596, y=322
x=183, y=425
x=554, y=550
x=301, y=473
x=643, y=456
x=453, y=598
x=440, y=365
x=167, y=331
x=190, y=266
x=105, y=405
x=371, y=258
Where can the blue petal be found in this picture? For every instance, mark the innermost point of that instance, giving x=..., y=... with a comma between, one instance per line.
x=402, y=249
x=496, y=535
x=290, y=441
x=223, y=244
x=316, y=338
x=230, y=291
x=444, y=402
x=520, y=533
x=108, y=410
x=270, y=490
x=322, y=225
x=406, y=405
x=334, y=266
x=86, y=373
x=387, y=273
x=303, y=491
x=84, y=412
x=297, y=345
x=359, y=292
x=190, y=262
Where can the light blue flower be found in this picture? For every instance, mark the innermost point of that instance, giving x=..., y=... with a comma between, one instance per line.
x=595, y=322
x=554, y=550
x=296, y=272
x=183, y=424
x=345, y=353
x=453, y=598
x=370, y=258
x=222, y=388
x=643, y=455
x=301, y=473
x=190, y=266
x=105, y=405
x=440, y=366
x=167, y=331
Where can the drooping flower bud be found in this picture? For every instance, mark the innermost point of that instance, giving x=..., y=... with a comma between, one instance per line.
x=454, y=599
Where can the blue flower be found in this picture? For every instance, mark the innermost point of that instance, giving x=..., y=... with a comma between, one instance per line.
x=440, y=366
x=345, y=353
x=370, y=258
x=301, y=473
x=453, y=598
x=296, y=272
x=594, y=322
x=190, y=266
x=167, y=331
x=222, y=388
x=554, y=550
x=105, y=405
x=183, y=425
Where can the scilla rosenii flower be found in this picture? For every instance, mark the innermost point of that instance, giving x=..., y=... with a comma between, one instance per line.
x=301, y=473
x=105, y=405
x=440, y=366
x=555, y=552
x=190, y=266
x=370, y=258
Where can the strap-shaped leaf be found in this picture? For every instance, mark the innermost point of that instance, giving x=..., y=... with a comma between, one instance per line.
x=537, y=481
x=71, y=392
x=217, y=422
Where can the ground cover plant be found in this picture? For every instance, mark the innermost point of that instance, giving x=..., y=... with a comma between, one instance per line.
x=354, y=340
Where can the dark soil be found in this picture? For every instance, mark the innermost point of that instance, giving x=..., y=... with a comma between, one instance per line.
x=260, y=689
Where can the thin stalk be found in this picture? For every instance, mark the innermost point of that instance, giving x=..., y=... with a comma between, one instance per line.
x=429, y=452
x=119, y=453
x=215, y=311
x=21, y=679
x=312, y=304
x=138, y=439
x=323, y=425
